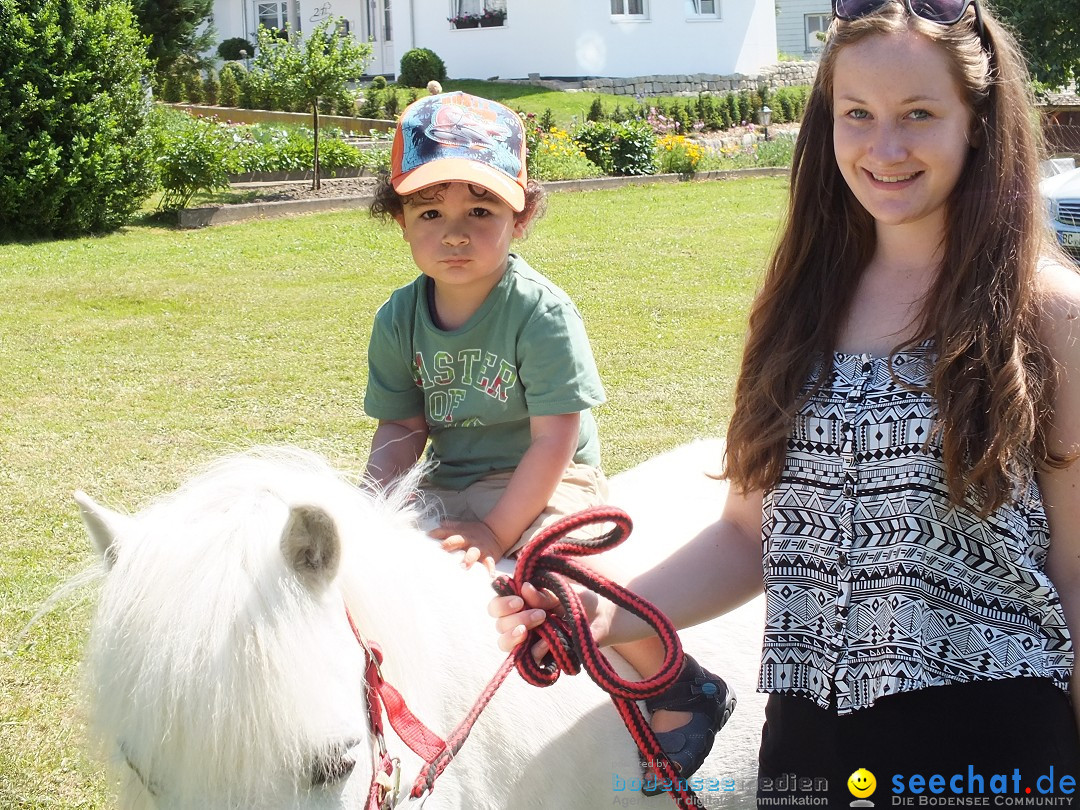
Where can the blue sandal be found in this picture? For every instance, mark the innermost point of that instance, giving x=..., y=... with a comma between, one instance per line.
x=710, y=700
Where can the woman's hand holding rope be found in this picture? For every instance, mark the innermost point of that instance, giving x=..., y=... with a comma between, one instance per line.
x=516, y=615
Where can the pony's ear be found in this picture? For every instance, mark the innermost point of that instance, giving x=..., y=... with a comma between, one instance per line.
x=103, y=525
x=311, y=545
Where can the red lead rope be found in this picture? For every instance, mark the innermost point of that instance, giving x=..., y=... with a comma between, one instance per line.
x=546, y=563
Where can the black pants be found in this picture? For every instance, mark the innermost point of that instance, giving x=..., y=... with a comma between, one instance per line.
x=990, y=739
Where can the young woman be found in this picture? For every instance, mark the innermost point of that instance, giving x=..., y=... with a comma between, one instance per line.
x=906, y=420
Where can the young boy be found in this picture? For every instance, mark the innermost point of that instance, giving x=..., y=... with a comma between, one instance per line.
x=480, y=356
x=486, y=363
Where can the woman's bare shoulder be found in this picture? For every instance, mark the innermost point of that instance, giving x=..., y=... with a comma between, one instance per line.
x=1059, y=290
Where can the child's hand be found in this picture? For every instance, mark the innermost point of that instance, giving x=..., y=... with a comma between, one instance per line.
x=474, y=538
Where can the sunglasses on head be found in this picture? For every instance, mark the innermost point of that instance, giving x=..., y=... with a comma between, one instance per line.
x=942, y=12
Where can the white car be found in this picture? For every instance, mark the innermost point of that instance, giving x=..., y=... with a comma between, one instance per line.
x=1062, y=193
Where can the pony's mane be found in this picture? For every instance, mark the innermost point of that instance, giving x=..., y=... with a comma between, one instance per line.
x=206, y=630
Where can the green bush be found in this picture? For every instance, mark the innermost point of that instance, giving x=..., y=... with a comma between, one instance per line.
x=211, y=87
x=236, y=70
x=731, y=103
x=419, y=66
x=229, y=95
x=371, y=103
x=634, y=149
x=345, y=104
x=194, y=158
x=172, y=90
x=199, y=154
x=263, y=93
x=193, y=88
x=624, y=148
x=594, y=139
x=746, y=111
x=229, y=49
x=247, y=97
x=791, y=101
x=76, y=148
x=391, y=106
x=379, y=82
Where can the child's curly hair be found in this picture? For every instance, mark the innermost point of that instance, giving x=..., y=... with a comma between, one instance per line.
x=389, y=205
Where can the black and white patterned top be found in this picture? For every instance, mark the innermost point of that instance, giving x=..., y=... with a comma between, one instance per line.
x=875, y=583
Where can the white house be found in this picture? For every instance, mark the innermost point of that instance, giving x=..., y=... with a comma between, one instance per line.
x=547, y=37
x=798, y=24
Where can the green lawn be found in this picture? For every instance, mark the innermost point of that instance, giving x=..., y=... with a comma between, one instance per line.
x=565, y=106
x=132, y=358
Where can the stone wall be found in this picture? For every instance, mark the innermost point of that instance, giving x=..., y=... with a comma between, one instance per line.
x=782, y=74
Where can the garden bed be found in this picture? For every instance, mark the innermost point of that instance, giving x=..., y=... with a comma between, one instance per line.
x=294, y=198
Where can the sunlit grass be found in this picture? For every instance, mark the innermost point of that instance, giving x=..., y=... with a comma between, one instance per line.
x=130, y=359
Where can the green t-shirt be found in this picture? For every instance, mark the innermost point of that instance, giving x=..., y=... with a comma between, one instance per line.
x=523, y=353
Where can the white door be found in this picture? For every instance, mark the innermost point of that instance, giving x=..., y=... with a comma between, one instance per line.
x=378, y=32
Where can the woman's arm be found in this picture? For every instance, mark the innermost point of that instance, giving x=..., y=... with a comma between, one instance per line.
x=715, y=572
x=1061, y=488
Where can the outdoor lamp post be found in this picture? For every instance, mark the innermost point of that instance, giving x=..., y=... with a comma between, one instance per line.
x=765, y=118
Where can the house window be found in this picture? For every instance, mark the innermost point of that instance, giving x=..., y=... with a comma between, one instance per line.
x=816, y=25
x=628, y=8
x=473, y=13
x=273, y=14
x=705, y=8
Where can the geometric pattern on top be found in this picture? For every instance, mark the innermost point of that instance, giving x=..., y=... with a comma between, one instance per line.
x=875, y=583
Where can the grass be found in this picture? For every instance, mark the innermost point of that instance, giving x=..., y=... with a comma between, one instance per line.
x=132, y=358
x=565, y=106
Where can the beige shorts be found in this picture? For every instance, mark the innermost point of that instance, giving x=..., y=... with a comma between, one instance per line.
x=581, y=486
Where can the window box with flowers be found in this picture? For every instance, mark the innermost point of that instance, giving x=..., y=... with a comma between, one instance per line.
x=493, y=17
x=465, y=21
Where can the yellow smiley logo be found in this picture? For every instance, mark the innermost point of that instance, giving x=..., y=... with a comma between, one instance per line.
x=861, y=783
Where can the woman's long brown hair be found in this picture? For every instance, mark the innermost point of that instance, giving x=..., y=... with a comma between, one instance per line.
x=994, y=379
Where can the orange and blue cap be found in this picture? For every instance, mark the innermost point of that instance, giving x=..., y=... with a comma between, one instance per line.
x=457, y=137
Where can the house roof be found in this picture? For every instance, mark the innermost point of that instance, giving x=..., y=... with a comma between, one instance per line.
x=1068, y=99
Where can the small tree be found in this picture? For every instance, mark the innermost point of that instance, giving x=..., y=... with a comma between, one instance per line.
x=306, y=70
x=193, y=88
x=230, y=90
x=211, y=87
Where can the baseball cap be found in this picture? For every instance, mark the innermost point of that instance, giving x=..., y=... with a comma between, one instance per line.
x=457, y=137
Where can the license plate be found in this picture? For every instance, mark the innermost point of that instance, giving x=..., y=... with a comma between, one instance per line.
x=1071, y=239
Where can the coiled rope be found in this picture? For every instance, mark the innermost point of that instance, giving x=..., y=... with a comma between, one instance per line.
x=548, y=562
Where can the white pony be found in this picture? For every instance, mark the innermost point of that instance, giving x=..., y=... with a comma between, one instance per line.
x=224, y=674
